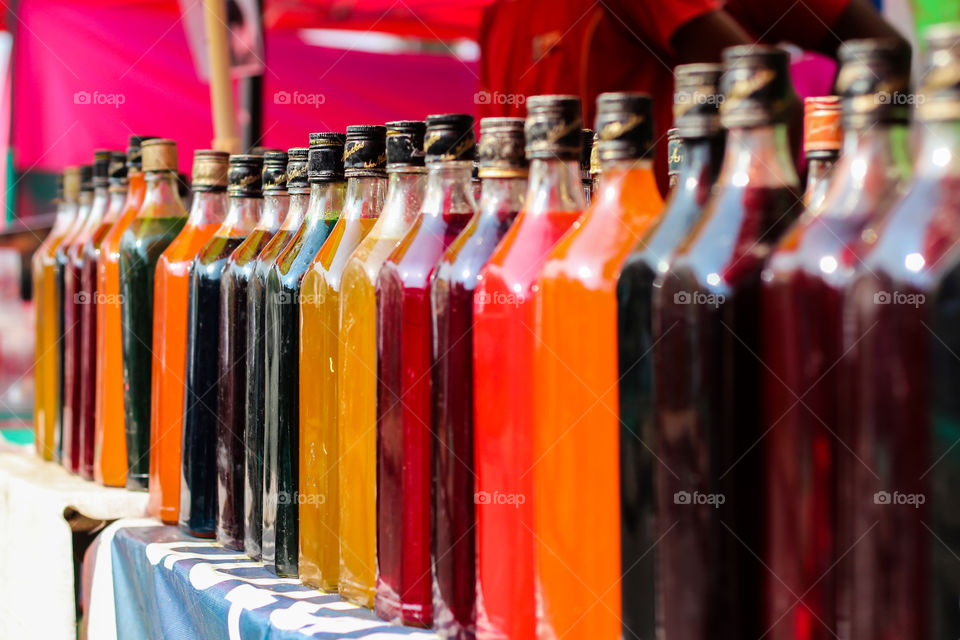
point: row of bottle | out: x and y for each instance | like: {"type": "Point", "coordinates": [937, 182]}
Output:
{"type": "Point", "coordinates": [715, 415]}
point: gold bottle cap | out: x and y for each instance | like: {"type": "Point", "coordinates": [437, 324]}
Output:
{"type": "Point", "coordinates": [159, 154]}
{"type": "Point", "coordinates": [209, 170]}
{"type": "Point", "coordinates": [71, 184]}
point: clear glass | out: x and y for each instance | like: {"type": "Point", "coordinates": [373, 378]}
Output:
{"type": "Point", "coordinates": [819, 170]}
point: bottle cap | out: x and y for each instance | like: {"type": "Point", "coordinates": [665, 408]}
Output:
{"type": "Point", "coordinates": [326, 157]}
{"type": "Point", "coordinates": [71, 184]}
{"type": "Point", "coordinates": [449, 138]}
{"type": "Point", "coordinates": [940, 86]}
{"type": "Point", "coordinates": [117, 171]}
{"type": "Point", "coordinates": [501, 153]}
{"type": "Point", "coordinates": [696, 99]}
{"type": "Point", "coordinates": [297, 160]}
{"type": "Point", "coordinates": [594, 157]}
{"type": "Point", "coordinates": [586, 150]}
{"type": "Point", "coordinates": [365, 153]}
{"type": "Point", "coordinates": [101, 167]}
{"type": "Point", "coordinates": [874, 82]}
{"type": "Point", "coordinates": [755, 86]}
{"type": "Point", "coordinates": [245, 175]}
{"type": "Point", "coordinates": [822, 131]}
{"type": "Point", "coordinates": [135, 153]}
{"type": "Point", "coordinates": [624, 126]}
{"type": "Point", "coordinates": [210, 170]}
{"type": "Point", "coordinates": [674, 154]}
{"type": "Point", "coordinates": [552, 129]}
{"type": "Point", "coordinates": [274, 171]}
{"type": "Point", "coordinates": [159, 154]}
{"type": "Point", "coordinates": [86, 177]}
{"type": "Point", "coordinates": [405, 144]}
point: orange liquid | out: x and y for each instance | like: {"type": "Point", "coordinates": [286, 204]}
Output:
{"type": "Point", "coordinates": [319, 368]}
{"type": "Point", "coordinates": [170, 291]}
{"type": "Point", "coordinates": [576, 423]}
{"type": "Point", "coordinates": [110, 446]}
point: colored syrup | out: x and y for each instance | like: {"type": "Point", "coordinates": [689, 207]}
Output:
{"type": "Point", "coordinates": [315, 373]}
{"type": "Point", "coordinates": [404, 418]}
{"type": "Point", "coordinates": [707, 326]}
{"type": "Point", "coordinates": [576, 412]}
{"type": "Point", "coordinates": [140, 248]}
{"type": "Point", "coordinates": [74, 301]}
{"type": "Point", "coordinates": [171, 291]}
{"type": "Point", "coordinates": [201, 414]}
{"type": "Point", "coordinates": [234, 442]}
{"type": "Point", "coordinates": [454, 522]}
{"type": "Point", "coordinates": [110, 449]}
{"type": "Point", "coordinates": [504, 319]}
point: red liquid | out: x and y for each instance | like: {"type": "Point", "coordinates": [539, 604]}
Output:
{"type": "Point", "coordinates": [454, 519]}
{"type": "Point", "coordinates": [503, 346]}
{"type": "Point", "coordinates": [708, 377]}
{"type": "Point", "coordinates": [72, 360]}
{"type": "Point", "coordinates": [403, 418]}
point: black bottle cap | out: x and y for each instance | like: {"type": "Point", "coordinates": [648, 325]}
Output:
{"type": "Point", "coordinates": [501, 153]}
{"type": "Point", "coordinates": [101, 167]}
{"type": "Point", "coordinates": [674, 154]}
{"type": "Point", "coordinates": [874, 82]}
{"type": "Point", "coordinates": [405, 144]}
{"type": "Point", "coordinates": [297, 162]}
{"type": "Point", "coordinates": [586, 150]}
{"type": "Point", "coordinates": [365, 153]}
{"type": "Point", "coordinates": [755, 85]}
{"type": "Point", "coordinates": [245, 176]}
{"type": "Point", "coordinates": [326, 157]}
{"type": "Point", "coordinates": [134, 153]}
{"type": "Point", "coordinates": [624, 126]}
{"type": "Point", "coordinates": [553, 127]}
{"type": "Point", "coordinates": [210, 170]}
{"type": "Point", "coordinates": [274, 171]}
{"type": "Point", "coordinates": [86, 177]}
{"type": "Point", "coordinates": [117, 171]}
{"type": "Point", "coordinates": [940, 85]}
{"type": "Point", "coordinates": [696, 99]}
{"type": "Point", "coordinates": [450, 138]}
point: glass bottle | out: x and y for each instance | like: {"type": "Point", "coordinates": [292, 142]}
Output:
{"type": "Point", "coordinates": [503, 348]}
{"type": "Point", "coordinates": [77, 300]}
{"type": "Point", "coordinates": [43, 267]}
{"type": "Point", "coordinates": [321, 191]}
{"type": "Point", "coordinates": [318, 326]}
{"type": "Point", "coordinates": [503, 170]}
{"type": "Point", "coordinates": [901, 340]}
{"type": "Point", "coordinates": [575, 396]}
{"type": "Point", "coordinates": [89, 253]}
{"type": "Point", "coordinates": [822, 139]}
{"type": "Point", "coordinates": [707, 334]}
{"type": "Point", "coordinates": [404, 439]}
{"type": "Point", "coordinates": [803, 290]}
{"type": "Point", "coordinates": [110, 449]}
{"type": "Point", "coordinates": [276, 206]}
{"type": "Point", "coordinates": [586, 153]}
{"type": "Point", "coordinates": [357, 379]}
{"type": "Point", "coordinates": [674, 150]}
{"type": "Point", "coordinates": [205, 404]}
{"type": "Point", "coordinates": [158, 222]}
{"type": "Point", "coordinates": [697, 151]}
{"type": "Point", "coordinates": [170, 309]}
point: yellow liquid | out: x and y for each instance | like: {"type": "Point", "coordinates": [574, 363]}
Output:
{"type": "Point", "coordinates": [46, 365]}
{"type": "Point", "coordinates": [357, 444]}
{"type": "Point", "coordinates": [319, 359]}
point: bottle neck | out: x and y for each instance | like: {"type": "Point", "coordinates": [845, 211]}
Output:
{"type": "Point", "coordinates": [162, 188]}
{"type": "Point", "coordinates": [208, 208]}
{"type": "Point", "coordinates": [449, 188]}
{"type": "Point", "coordinates": [115, 205]}
{"type": "Point", "coordinates": [405, 191]}
{"type": "Point", "coordinates": [275, 207]}
{"type": "Point", "coordinates": [66, 213]}
{"type": "Point", "coordinates": [364, 197]}
{"type": "Point", "coordinates": [939, 149]}
{"type": "Point", "coordinates": [500, 196]}
{"type": "Point", "coordinates": [297, 209]}
{"type": "Point", "coordinates": [326, 200]}
{"type": "Point", "coordinates": [819, 170]}
{"type": "Point", "coordinates": [701, 160]}
{"type": "Point", "coordinates": [136, 189]}
{"type": "Point", "coordinates": [243, 213]}
{"type": "Point", "coordinates": [759, 157]}
{"type": "Point", "coordinates": [555, 185]}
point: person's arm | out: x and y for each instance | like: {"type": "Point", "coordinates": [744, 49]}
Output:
{"type": "Point", "coordinates": [704, 38]}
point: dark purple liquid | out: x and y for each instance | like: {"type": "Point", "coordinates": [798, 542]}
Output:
{"type": "Point", "coordinates": [709, 480]}
{"type": "Point", "coordinates": [403, 419]}
{"type": "Point", "coordinates": [74, 302]}
{"type": "Point", "coordinates": [88, 360]}
{"type": "Point", "coordinates": [454, 520]}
